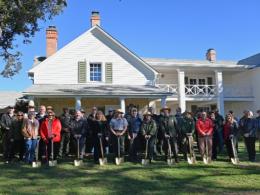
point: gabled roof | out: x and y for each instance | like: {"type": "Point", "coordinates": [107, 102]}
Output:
{"type": "Point", "coordinates": [179, 63]}
{"type": "Point", "coordinates": [252, 60]}
{"type": "Point", "coordinates": [108, 36]}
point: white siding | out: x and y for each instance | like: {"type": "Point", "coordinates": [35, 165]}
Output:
{"type": "Point", "coordinates": [62, 67]}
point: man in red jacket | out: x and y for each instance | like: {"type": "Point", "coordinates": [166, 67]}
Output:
{"type": "Point", "coordinates": [204, 128]}
{"type": "Point", "coordinates": [50, 129]}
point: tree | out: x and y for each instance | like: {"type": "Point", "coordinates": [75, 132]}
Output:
{"type": "Point", "coordinates": [20, 18]}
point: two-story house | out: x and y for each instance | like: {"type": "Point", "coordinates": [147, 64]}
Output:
{"type": "Point", "coordinates": [95, 69]}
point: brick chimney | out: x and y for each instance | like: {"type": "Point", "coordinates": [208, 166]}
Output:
{"type": "Point", "coordinates": [51, 40]}
{"type": "Point", "coordinates": [95, 19]}
{"type": "Point", "coordinates": [211, 55]}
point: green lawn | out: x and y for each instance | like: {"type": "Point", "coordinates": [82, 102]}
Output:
{"type": "Point", "coordinates": [217, 178]}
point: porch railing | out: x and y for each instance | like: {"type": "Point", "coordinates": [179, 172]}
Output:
{"type": "Point", "coordinates": [200, 90]}
{"type": "Point", "coordinates": [172, 88]}
{"type": "Point", "coordinates": [190, 90]}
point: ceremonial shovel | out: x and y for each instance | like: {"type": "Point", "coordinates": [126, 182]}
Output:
{"type": "Point", "coordinates": [37, 163]}
{"type": "Point", "coordinates": [78, 161]}
{"type": "Point", "coordinates": [102, 160]}
{"type": "Point", "coordinates": [118, 159]}
{"type": "Point", "coordinates": [146, 161]}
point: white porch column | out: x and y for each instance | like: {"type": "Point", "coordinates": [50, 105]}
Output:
{"type": "Point", "coordinates": [220, 92]}
{"type": "Point", "coordinates": [181, 90]}
{"type": "Point", "coordinates": [77, 103]}
{"type": "Point", "coordinates": [122, 103]}
{"type": "Point", "coordinates": [163, 102]}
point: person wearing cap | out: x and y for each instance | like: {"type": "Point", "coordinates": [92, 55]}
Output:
{"type": "Point", "coordinates": [134, 125]}
{"type": "Point", "coordinates": [168, 125]}
{"type": "Point", "coordinates": [65, 119]}
{"type": "Point", "coordinates": [118, 126]}
{"type": "Point", "coordinates": [92, 117]}
{"type": "Point", "coordinates": [249, 133]}
{"type": "Point", "coordinates": [50, 131]}
{"type": "Point", "coordinates": [187, 128]}
{"type": "Point", "coordinates": [204, 127]}
{"type": "Point", "coordinates": [17, 139]}
{"type": "Point", "coordinates": [148, 131]}
{"type": "Point", "coordinates": [79, 128]}
{"type": "Point", "coordinates": [30, 132]}
{"type": "Point", "coordinates": [6, 122]}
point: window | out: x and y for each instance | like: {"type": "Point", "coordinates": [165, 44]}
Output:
{"type": "Point", "coordinates": [95, 72]}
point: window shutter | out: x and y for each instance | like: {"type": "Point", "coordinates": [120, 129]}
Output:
{"type": "Point", "coordinates": [82, 72]}
{"type": "Point", "coordinates": [109, 73]}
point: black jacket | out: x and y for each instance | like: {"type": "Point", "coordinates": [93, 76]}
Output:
{"type": "Point", "coordinates": [79, 127]}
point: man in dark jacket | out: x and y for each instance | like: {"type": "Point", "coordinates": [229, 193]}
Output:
{"type": "Point", "coordinates": [187, 128]}
{"type": "Point", "coordinates": [79, 128]}
{"type": "Point", "coordinates": [168, 125]}
{"type": "Point", "coordinates": [249, 131]}
{"type": "Point", "coordinates": [91, 123]}
{"type": "Point", "coordinates": [65, 119]}
{"type": "Point", "coordinates": [6, 122]}
{"type": "Point", "coordinates": [17, 139]}
{"type": "Point", "coordinates": [134, 125]}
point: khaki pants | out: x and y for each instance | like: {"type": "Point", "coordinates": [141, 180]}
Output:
{"type": "Point", "coordinates": [202, 145]}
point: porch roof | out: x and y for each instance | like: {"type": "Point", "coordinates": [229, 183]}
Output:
{"type": "Point", "coordinates": [95, 90]}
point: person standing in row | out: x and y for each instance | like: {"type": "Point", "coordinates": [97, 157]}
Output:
{"type": "Point", "coordinates": [92, 117]}
{"type": "Point", "coordinates": [134, 125]}
{"type": "Point", "coordinates": [118, 126]}
{"type": "Point", "coordinates": [100, 132]}
{"type": "Point", "coordinates": [230, 131]}
{"type": "Point", "coordinates": [204, 128]}
{"type": "Point", "coordinates": [187, 128]}
{"type": "Point", "coordinates": [50, 131]}
{"type": "Point", "coordinates": [30, 132]}
{"type": "Point", "coordinates": [79, 128]}
{"type": "Point", "coordinates": [249, 132]}
{"type": "Point", "coordinates": [168, 125]}
{"type": "Point", "coordinates": [6, 123]}
{"type": "Point", "coordinates": [65, 119]}
{"type": "Point", "coordinates": [17, 138]}
{"type": "Point", "coordinates": [148, 131]}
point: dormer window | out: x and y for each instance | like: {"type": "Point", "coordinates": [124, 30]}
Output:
{"type": "Point", "coordinates": [95, 72]}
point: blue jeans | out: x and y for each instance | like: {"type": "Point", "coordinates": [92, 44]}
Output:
{"type": "Point", "coordinates": [30, 145]}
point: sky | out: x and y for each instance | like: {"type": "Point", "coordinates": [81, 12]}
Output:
{"type": "Point", "coordinates": [180, 29]}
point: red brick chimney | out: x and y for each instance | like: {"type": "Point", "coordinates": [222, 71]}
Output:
{"type": "Point", "coordinates": [211, 55]}
{"type": "Point", "coordinates": [51, 40]}
{"type": "Point", "coordinates": [95, 19]}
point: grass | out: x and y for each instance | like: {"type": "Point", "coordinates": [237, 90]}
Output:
{"type": "Point", "coordinates": [220, 177]}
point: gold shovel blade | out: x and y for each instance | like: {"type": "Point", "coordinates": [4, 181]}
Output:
{"type": "Point", "coordinates": [52, 163]}
{"type": "Point", "coordinates": [234, 161]}
{"type": "Point", "coordinates": [36, 164]}
{"type": "Point", "coordinates": [78, 163]}
{"type": "Point", "coordinates": [145, 162]}
{"type": "Point", "coordinates": [119, 161]}
{"type": "Point", "coordinates": [170, 161]}
{"type": "Point", "coordinates": [103, 161]}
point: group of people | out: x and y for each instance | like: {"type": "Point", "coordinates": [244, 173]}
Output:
{"type": "Point", "coordinates": [44, 135]}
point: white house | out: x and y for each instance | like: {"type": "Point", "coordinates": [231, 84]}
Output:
{"type": "Point", "coordinates": [96, 69]}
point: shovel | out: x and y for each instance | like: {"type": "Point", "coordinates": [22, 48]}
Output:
{"type": "Point", "coordinates": [78, 161]}
{"type": "Point", "coordinates": [169, 157]}
{"type": "Point", "coordinates": [102, 160]}
{"type": "Point", "coordinates": [235, 159]}
{"type": "Point", "coordinates": [206, 158]}
{"type": "Point", "coordinates": [52, 162]}
{"type": "Point", "coordinates": [37, 163]}
{"type": "Point", "coordinates": [119, 160]}
{"type": "Point", "coordinates": [146, 161]}
{"type": "Point", "coordinates": [191, 158]}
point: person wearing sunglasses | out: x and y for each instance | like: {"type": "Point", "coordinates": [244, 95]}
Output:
{"type": "Point", "coordinates": [50, 130]}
